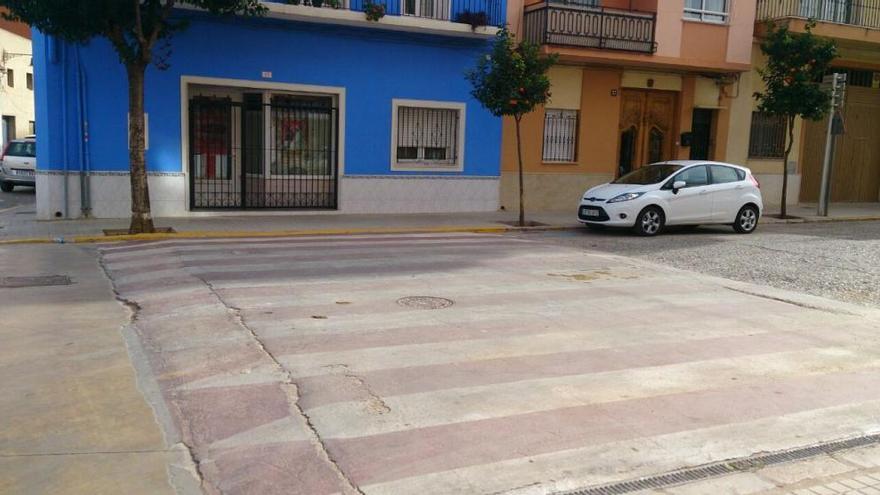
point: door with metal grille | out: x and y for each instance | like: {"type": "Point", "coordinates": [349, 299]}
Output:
{"type": "Point", "coordinates": [265, 151]}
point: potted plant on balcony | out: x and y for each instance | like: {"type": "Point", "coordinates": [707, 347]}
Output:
{"type": "Point", "coordinates": [374, 11]}
{"type": "Point", "coordinates": [475, 19]}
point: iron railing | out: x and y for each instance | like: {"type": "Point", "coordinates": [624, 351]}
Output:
{"type": "Point", "coordinates": [862, 13]}
{"type": "Point", "coordinates": [560, 135]}
{"type": "Point", "coordinates": [474, 12]}
{"type": "Point", "coordinates": [767, 136]}
{"type": "Point", "coordinates": [590, 27]}
{"type": "Point", "coordinates": [252, 154]}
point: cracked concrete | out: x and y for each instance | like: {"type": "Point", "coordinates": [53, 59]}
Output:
{"type": "Point", "coordinates": [292, 391]}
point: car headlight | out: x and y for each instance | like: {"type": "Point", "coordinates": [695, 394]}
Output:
{"type": "Point", "coordinates": [625, 197]}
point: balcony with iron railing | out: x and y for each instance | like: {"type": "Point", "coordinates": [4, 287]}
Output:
{"type": "Point", "coordinates": [476, 13]}
{"type": "Point", "coordinates": [860, 13]}
{"type": "Point", "coordinates": [584, 24]}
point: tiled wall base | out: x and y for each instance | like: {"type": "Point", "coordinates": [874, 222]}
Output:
{"type": "Point", "coordinates": [548, 192]}
{"type": "Point", "coordinates": [771, 188]}
{"type": "Point", "coordinates": [110, 195]}
{"type": "Point", "coordinates": [418, 194]}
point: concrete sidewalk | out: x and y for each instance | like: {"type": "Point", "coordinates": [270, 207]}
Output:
{"type": "Point", "coordinates": [19, 226]}
{"type": "Point", "coordinates": [19, 223]}
{"type": "Point", "coordinates": [73, 418]}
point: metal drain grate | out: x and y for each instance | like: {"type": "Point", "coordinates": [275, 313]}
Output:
{"type": "Point", "coordinates": [725, 467]}
{"type": "Point", "coordinates": [34, 281]}
{"type": "Point", "coordinates": [425, 302]}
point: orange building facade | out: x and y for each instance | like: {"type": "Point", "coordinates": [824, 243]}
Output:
{"type": "Point", "coordinates": [637, 81]}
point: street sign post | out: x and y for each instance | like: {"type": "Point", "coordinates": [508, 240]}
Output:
{"type": "Point", "coordinates": [837, 84]}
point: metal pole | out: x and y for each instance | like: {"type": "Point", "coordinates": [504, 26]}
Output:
{"type": "Point", "coordinates": [826, 168]}
{"type": "Point", "coordinates": [825, 186]}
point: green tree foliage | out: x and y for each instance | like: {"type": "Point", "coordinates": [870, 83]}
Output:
{"type": "Point", "coordinates": [512, 81]}
{"type": "Point", "coordinates": [796, 63]}
{"type": "Point", "coordinates": [135, 28]}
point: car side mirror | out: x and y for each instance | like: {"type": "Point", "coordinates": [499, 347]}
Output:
{"type": "Point", "coordinates": [679, 184]}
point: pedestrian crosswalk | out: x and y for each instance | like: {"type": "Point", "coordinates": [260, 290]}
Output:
{"type": "Point", "coordinates": [290, 367]}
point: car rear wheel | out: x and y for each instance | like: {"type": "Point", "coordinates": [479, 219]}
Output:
{"type": "Point", "coordinates": [650, 221]}
{"type": "Point", "coordinates": [6, 186]}
{"type": "Point", "coordinates": [746, 220]}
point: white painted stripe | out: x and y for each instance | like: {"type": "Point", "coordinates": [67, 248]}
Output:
{"type": "Point", "coordinates": [120, 251]}
{"type": "Point", "coordinates": [568, 470]}
{"type": "Point", "coordinates": [572, 339]}
{"type": "Point", "coordinates": [422, 410]}
{"type": "Point", "coordinates": [201, 252]}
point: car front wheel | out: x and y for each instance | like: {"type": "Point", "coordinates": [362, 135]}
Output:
{"type": "Point", "coordinates": [650, 221]}
{"type": "Point", "coordinates": [6, 186]}
{"type": "Point", "coordinates": [746, 220]}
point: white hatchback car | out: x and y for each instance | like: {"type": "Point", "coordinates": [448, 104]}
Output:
{"type": "Point", "coordinates": [682, 192]}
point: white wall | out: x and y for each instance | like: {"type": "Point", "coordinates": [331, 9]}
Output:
{"type": "Point", "coordinates": [17, 101]}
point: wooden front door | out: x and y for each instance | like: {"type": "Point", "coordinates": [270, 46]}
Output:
{"type": "Point", "coordinates": [647, 123]}
{"type": "Point", "coordinates": [855, 174]}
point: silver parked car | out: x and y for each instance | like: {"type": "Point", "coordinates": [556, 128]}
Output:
{"type": "Point", "coordinates": [18, 164]}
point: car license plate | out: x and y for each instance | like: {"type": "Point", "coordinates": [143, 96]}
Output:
{"type": "Point", "coordinates": [27, 173]}
{"type": "Point", "coordinates": [591, 213]}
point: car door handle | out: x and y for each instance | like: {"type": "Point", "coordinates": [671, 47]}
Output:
{"type": "Point", "coordinates": [704, 192]}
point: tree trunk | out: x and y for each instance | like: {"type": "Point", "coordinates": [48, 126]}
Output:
{"type": "Point", "coordinates": [141, 219]}
{"type": "Point", "coordinates": [783, 209]}
{"type": "Point", "coordinates": [522, 206]}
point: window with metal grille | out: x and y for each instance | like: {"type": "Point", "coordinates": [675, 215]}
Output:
{"type": "Point", "coordinates": [560, 135]}
{"type": "Point", "coordinates": [427, 136]}
{"type": "Point", "coordinates": [706, 10]}
{"type": "Point", "coordinates": [767, 136]}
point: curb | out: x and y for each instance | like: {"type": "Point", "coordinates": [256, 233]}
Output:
{"type": "Point", "coordinates": [233, 234]}
{"type": "Point", "coordinates": [764, 219]}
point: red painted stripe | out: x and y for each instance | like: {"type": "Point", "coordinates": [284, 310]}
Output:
{"type": "Point", "coordinates": [387, 457]}
{"type": "Point", "coordinates": [326, 389]}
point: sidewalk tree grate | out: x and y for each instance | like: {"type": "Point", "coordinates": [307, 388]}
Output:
{"type": "Point", "coordinates": [34, 281]}
{"type": "Point", "coordinates": [425, 302]}
{"type": "Point", "coordinates": [732, 466]}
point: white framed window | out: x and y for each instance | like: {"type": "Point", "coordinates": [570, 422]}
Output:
{"type": "Point", "coordinates": [716, 11]}
{"type": "Point", "coordinates": [560, 135]}
{"type": "Point", "coordinates": [427, 135]}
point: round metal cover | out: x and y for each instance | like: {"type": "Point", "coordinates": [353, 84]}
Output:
{"type": "Point", "coordinates": [425, 302]}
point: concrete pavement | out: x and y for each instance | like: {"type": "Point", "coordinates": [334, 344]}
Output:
{"type": "Point", "coordinates": [72, 419]}
{"type": "Point", "coordinates": [294, 366]}
{"type": "Point", "coordinates": [18, 222]}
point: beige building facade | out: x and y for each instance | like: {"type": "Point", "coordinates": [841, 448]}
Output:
{"type": "Point", "coordinates": [757, 140]}
{"type": "Point", "coordinates": [16, 82]}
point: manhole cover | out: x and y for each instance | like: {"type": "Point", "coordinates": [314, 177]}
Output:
{"type": "Point", "coordinates": [37, 281]}
{"type": "Point", "coordinates": [425, 302]}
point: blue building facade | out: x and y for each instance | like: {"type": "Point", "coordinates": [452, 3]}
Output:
{"type": "Point", "coordinates": [310, 108]}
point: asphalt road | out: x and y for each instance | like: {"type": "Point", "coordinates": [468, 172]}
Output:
{"type": "Point", "coordinates": [19, 198]}
{"type": "Point", "coordinates": [838, 260]}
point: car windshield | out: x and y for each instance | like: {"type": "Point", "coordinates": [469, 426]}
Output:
{"type": "Point", "coordinates": [652, 174]}
{"type": "Point", "coordinates": [21, 148]}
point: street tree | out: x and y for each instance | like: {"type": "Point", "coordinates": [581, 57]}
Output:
{"type": "Point", "coordinates": [796, 63]}
{"type": "Point", "coordinates": [512, 81]}
{"type": "Point", "coordinates": [139, 31]}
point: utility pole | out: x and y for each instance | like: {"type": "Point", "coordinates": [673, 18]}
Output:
{"type": "Point", "coordinates": [837, 81]}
